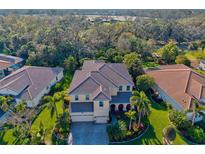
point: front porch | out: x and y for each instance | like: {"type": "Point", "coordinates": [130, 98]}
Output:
{"type": "Point", "coordinates": [121, 102]}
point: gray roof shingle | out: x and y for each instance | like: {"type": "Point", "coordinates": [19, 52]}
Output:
{"type": "Point", "coordinates": [97, 77]}
{"type": "Point", "coordinates": [29, 81]}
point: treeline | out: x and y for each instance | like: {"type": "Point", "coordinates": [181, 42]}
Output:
{"type": "Point", "coordinates": [165, 14]}
{"type": "Point", "coordinates": [61, 40]}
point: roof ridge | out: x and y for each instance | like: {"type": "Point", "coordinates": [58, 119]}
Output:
{"type": "Point", "coordinates": [109, 80]}
{"type": "Point", "coordinates": [101, 91]}
{"type": "Point", "coordinates": [119, 74]}
{"type": "Point", "coordinates": [29, 76]}
{"type": "Point", "coordinates": [14, 73]}
{"type": "Point", "coordinates": [174, 69]}
{"type": "Point", "coordinates": [80, 83]}
{"type": "Point", "coordinates": [11, 81]}
{"type": "Point", "coordinates": [187, 82]}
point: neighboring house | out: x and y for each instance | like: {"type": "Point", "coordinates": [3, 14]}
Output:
{"type": "Point", "coordinates": [9, 64]}
{"type": "Point", "coordinates": [30, 83]}
{"type": "Point", "coordinates": [98, 88]}
{"type": "Point", "coordinates": [202, 65]}
{"type": "Point", "coordinates": [178, 85]}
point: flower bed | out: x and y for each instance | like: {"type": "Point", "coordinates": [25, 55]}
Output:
{"type": "Point", "coordinates": [132, 138]}
{"type": "Point", "coordinates": [119, 132]}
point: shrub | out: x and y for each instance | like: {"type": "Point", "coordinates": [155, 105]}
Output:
{"type": "Point", "coordinates": [196, 134]}
{"type": "Point", "coordinates": [169, 134]}
{"type": "Point", "coordinates": [179, 119]}
{"type": "Point", "coordinates": [169, 106]}
{"type": "Point", "coordinates": [182, 59]}
{"type": "Point", "coordinates": [144, 82]}
{"type": "Point", "coordinates": [117, 131]}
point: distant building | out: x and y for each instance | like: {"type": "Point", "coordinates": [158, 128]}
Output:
{"type": "Point", "coordinates": [30, 83]}
{"type": "Point", "coordinates": [9, 64]}
{"type": "Point", "coordinates": [98, 89]}
{"type": "Point", "coordinates": [202, 65]}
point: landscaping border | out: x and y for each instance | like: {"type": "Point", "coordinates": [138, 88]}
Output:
{"type": "Point", "coordinates": [136, 138]}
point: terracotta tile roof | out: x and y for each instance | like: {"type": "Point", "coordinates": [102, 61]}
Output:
{"type": "Point", "coordinates": [179, 82]}
{"type": "Point", "coordinates": [97, 77]}
{"type": "Point", "coordinates": [29, 81]}
{"type": "Point", "coordinates": [7, 60]}
{"type": "Point", "coordinates": [11, 59]}
{"type": "Point", "coordinates": [4, 65]}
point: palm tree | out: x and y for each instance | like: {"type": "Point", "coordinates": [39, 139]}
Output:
{"type": "Point", "coordinates": [21, 107]}
{"type": "Point", "coordinates": [38, 137]}
{"type": "Point", "coordinates": [131, 115]}
{"type": "Point", "coordinates": [196, 109]}
{"type": "Point", "coordinates": [21, 132]}
{"type": "Point", "coordinates": [4, 103]}
{"type": "Point", "coordinates": [141, 102]}
{"type": "Point", "coordinates": [169, 135]}
{"type": "Point", "coordinates": [52, 101]}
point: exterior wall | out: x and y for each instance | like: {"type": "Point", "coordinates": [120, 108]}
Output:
{"type": "Point", "coordinates": [81, 98]}
{"type": "Point", "coordinates": [6, 91]}
{"type": "Point", "coordinates": [202, 66]}
{"type": "Point", "coordinates": [101, 114]}
{"type": "Point", "coordinates": [81, 116]}
{"type": "Point", "coordinates": [167, 98]}
{"type": "Point", "coordinates": [124, 88]}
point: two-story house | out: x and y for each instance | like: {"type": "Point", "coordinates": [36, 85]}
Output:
{"type": "Point", "coordinates": [99, 88]}
{"type": "Point", "coordinates": [9, 64]}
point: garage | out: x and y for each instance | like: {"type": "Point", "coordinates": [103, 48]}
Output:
{"type": "Point", "coordinates": [82, 111]}
{"type": "Point", "coordinates": [82, 117]}
{"type": "Point", "coordinates": [101, 119]}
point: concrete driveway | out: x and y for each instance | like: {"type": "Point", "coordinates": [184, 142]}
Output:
{"type": "Point", "coordinates": [87, 133]}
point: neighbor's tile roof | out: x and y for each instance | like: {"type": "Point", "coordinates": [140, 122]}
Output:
{"type": "Point", "coordinates": [7, 60]}
{"type": "Point", "coordinates": [11, 59]}
{"type": "Point", "coordinates": [180, 83]}
{"type": "Point", "coordinates": [29, 81]}
{"type": "Point", "coordinates": [4, 64]}
{"type": "Point", "coordinates": [97, 77]}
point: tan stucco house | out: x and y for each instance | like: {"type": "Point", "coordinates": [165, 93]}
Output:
{"type": "Point", "coordinates": [30, 83]}
{"type": "Point", "coordinates": [97, 89]}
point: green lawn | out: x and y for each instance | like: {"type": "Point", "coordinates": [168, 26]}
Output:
{"type": "Point", "coordinates": [47, 120]}
{"type": "Point", "coordinates": [158, 120]}
{"type": "Point", "coordinates": [6, 137]}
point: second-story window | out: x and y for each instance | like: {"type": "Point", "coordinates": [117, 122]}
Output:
{"type": "Point", "coordinates": [128, 88]}
{"type": "Point", "coordinates": [101, 104]}
{"type": "Point", "coordinates": [87, 97]}
{"type": "Point", "coordinates": [76, 97]}
{"type": "Point", "coordinates": [120, 88]}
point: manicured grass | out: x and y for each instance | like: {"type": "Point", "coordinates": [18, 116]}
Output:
{"type": "Point", "coordinates": [47, 120]}
{"type": "Point", "coordinates": [158, 120]}
{"type": "Point", "coordinates": [6, 136]}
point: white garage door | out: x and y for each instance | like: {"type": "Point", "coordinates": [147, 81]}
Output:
{"type": "Point", "coordinates": [81, 118]}
{"type": "Point", "coordinates": [101, 119]}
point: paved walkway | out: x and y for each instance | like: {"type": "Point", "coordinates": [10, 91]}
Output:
{"type": "Point", "coordinates": [87, 133]}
